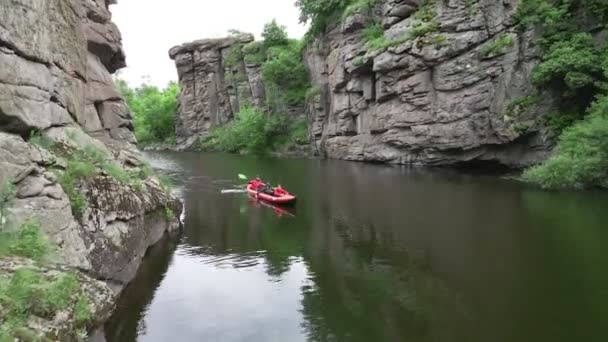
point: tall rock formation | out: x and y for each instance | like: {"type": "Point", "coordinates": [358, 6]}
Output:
{"type": "Point", "coordinates": [56, 99]}
{"type": "Point", "coordinates": [441, 98]}
{"type": "Point", "coordinates": [217, 78]}
{"type": "Point", "coordinates": [215, 82]}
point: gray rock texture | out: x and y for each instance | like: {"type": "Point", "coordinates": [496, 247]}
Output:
{"type": "Point", "coordinates": [436, 99]}
{"type": "Point", "coordinates": [216, 81]}
{"type": "Point", "coordinates": [57, 97]}
{"type": "Point", "coordinates": [61, 325]}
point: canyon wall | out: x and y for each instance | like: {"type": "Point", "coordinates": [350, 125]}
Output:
{"type": "Point", "coordinates": [446, 85]}
{"type": "Point", "coordinates": [441, 98]}
{"type": "Point", "coordinates": [57, 99]}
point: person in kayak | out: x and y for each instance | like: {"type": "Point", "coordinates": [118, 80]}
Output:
{"type": "Point", "coordinates": [263, 187]}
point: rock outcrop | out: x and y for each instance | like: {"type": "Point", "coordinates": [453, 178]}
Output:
{"type": "Point", "coordinates": [438, 98]}
{"type": "Point", "coordinates": [217, 79]}
{"type": "Point", "coordinates": [57, 98]}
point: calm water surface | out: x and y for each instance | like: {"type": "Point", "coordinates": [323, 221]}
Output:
{"type": "Point", "coordinates": [370, 253]}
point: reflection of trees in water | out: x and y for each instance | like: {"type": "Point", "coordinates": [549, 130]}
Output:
{"type": "Point", "coordinates": [127, 322]}
{"type": "Point", "coordinates": [363, 290]}
{"type": "Point", "coordinates": [572, 228]}
{"type": "Point", "coordinates": [248, 231]}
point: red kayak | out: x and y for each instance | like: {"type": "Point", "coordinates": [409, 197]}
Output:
{"type": "Point", "coordinates": [261, 191]}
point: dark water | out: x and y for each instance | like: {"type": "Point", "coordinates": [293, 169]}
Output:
{"type": "Point", "coordinates": [370, 253]}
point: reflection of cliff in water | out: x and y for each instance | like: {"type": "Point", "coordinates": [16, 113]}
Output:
{"type": "Point", "coordinates": [362, 289]}
{"type": "Point", "coordinates": [127, 321]}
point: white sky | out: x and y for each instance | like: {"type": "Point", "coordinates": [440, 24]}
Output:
{"type": "Point", "coordinates": [151, 27]}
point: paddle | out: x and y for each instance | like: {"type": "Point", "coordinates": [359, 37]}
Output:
{"type": "Point", "coordinates": [243, 177]}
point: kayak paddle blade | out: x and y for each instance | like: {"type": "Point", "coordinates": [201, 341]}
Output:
{"type": "Point", "coordinates": [242, 176]}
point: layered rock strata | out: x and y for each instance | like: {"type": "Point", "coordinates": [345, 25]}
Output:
{"type": "Point", "coordinates": [439, 98]}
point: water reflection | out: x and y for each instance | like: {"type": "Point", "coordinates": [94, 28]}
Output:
{"type": "Point", "coordinates": [373, 253]}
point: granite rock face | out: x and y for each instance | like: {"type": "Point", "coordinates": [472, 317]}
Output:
{"type": "Point", "coordinates": [57, 97]}
{"type": "Point", "coordinates": [438, 99]}
{"type": "Point", "coordinates": [216, 81]}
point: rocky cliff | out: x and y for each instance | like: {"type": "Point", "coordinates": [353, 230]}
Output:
{"type": "Point", "coordinates": [445, 83]}
{"type": "Point", "coordinates": [59, 108]}
{"type": "Point", "coordinates": [443, 89]}
{"type": "Point", "coordinates": [217, 77]}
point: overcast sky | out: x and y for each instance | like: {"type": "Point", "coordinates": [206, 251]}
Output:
{"type": "Point", "coordinates": [151, 27]}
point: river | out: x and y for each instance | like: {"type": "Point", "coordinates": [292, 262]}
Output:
{"type": "Point", "coordinates": [369, 253]}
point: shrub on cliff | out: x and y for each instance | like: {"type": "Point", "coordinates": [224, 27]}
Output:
{"type": "Point", "coordinates": [153, 110]}
{"type": "Point", "coordinates": [574, 67]}
{"type": "Point", "coordinates": [581, 160]}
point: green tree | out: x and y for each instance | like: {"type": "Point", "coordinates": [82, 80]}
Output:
{"type": "Point", "coordinates": [154, 111]}
{"type": "Point", "coordinates": [285, 75]}
{"type": "Point", "coordinates": [274, 34]}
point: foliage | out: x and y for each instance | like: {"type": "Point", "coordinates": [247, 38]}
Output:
{"type": "Point", "coordinates": [154, 111]}
{"type": "Point", "coordinates": [521, 105]}
{"type": "Point", "coordinates": [28, 241]}
{"type": "Point", "coordinates": [253, 131]}
{"type": "Point", "coordinates": [424, 24]}
{"type": "Point", "coordinates": [313, 92]}
{"type": "Point", "coordinates": [560, 121]}
{"type": "Point", "coordinates": [40, 140]}
{"type": "Point", "coordinates": [29, 292]}
{"type": "Point", "coordinates": [233, 56]}
{"type": "Point", "coordinates": [571, 66]}
{"type": "Point", "coordinates": [169, 214]}
{"type": "Point", "coordinates": [254, 53]}
{"type": "Point", "coordinates": [298, 134]}
{"type": "Point", "coordinates": [582, 156]}
{"type": "Point", "coordinates": [359, 61]}
{"type": "Point", "coordinates": [574, 69]}
{"type": "Point", "coordinates": [320, 13]}
{"type": "Point", "coordinates": [247, 132]}
{"type": "Point", "coordinates": [76, 171]}
{"type": "Point", "coordinates": [85, 164]}
{"type": "Point", "coordinates": [284, 71]}
{"type": "Point", "coordinates": [274, 34]}
{"type": "Point", "coordinates": [497, 46]}
{"type": "Point", "coordinates": [570, 61]}
{"type": "Point", "coordinates": [358, 6]}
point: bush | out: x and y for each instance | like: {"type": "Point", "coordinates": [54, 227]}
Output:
{"type": "Point", "coordinates": [254, 53]}
{"type": "Point", "coordinates": [29, 292]}
{"type": "Point", "coordinates": [169, 214]}
{"type": "Point", "coordinates": [358, 6]}
{"type": "Point", "coordinates": [154, 111]}
{"type": "Point", "coordinates": [254, 131]}
{"type": "Point", "coordinates": [28, 241]}
{"type": "Point", "coordinates": [582, 155]}
{"type": "Point", "coordinates": [76, 171]}
{"type": "Point", "coordinates": [247, 133]}
{"type": "Point", "coordinates": [497, 46]}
